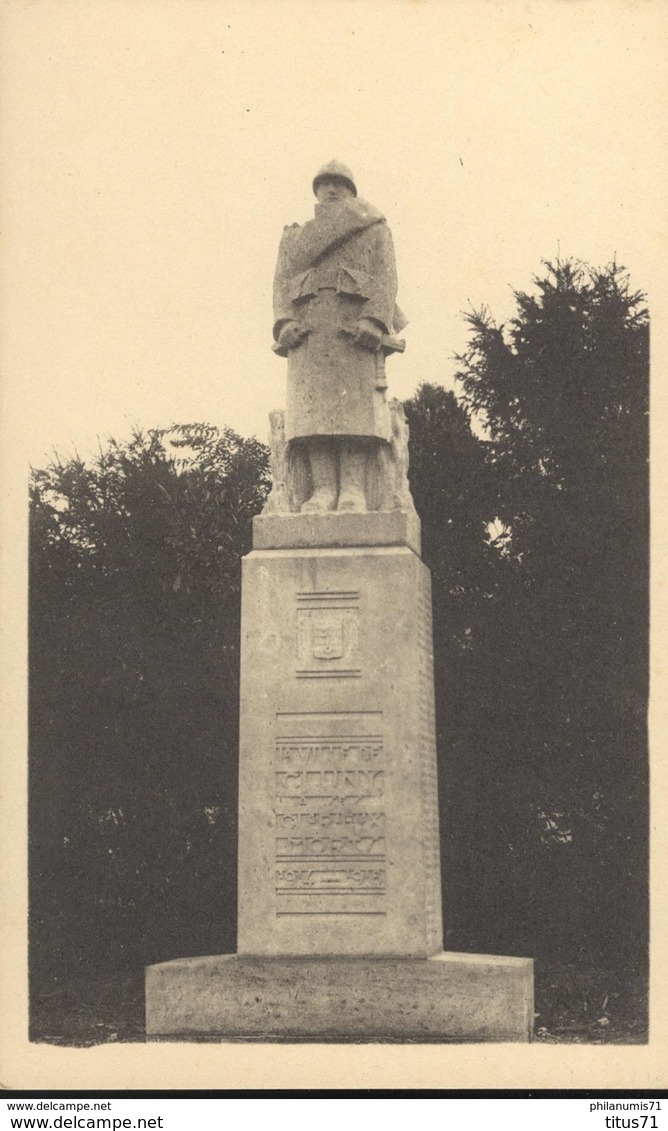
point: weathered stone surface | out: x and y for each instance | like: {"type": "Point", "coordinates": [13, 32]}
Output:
{"type": "Point", "coordinates": [450, 997]}
{"type": "Point", "coordinates": [333, 271]}
{"type": "Point", "coordinates": [335, 319]}
{"type": "Point", "coordinates": [386, 486]}
{"type": "Point", "coordinates": [338, 816]}
{"type": "Point", "coordinates": [302, 531]}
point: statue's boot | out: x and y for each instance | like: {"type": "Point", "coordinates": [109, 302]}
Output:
{"type": "Point", "coordinates": [322, 459]}
{"type": "Point", "coordinates": [321, 501]}
{"type": "Point", "coordinates": [352, 495]}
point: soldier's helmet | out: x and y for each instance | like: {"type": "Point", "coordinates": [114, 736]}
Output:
{"type": "Point", "coordinates": [335, 169]}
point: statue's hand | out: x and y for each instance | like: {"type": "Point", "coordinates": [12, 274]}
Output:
{"type": "Point", "coordinates": [291, 335]}
{"type": "Point", "coordinates": [369, 335]}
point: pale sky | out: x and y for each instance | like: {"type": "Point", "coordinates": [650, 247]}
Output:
{"type": "Point", "coordinates": [154, 151]}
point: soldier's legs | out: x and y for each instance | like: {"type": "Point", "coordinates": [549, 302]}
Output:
{"type": "Point", "coordinates": [322, 455]}
{"type": "Point", "coordinates": [352, 474]}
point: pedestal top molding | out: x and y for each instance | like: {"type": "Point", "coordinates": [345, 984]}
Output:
{"type": "Point", "coordinates": [307, 531]}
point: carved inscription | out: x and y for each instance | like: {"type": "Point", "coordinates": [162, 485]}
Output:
{"type": "Point", "coordinates": [332, 786]}
{"type": "Point", "coordinates": [370, 881]}
{"type": "Point", "coordinates": [332, 819]}
{"type": "Point", "coordinates": [352, 751]}
{"type": "Point", "coordinates": [288, 846]}
{"type": "Point", "coordinates": [330, 822]}
{"type": "Point", "coordinates": [428, 770]}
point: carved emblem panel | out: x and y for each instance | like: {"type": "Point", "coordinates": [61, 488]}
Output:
{"type": "Point", "coordinates": [328, 635]}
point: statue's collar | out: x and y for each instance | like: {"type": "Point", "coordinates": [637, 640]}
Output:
{"type": "Point", "coordinates": [351, 210]}
{"type": "Point", "coordinates": [332, 226]}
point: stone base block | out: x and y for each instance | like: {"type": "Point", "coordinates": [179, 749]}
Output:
{"type": "Point", "coordinates": [303, 531]}
{"type": "Point", "coordinates": [450, 997]}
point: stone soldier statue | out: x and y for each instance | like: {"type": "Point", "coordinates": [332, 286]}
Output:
{"type": "Point", "coordinates": [335, 321]}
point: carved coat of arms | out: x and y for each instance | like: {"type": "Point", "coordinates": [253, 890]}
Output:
{"type": "Point", "coordinates": [327, 637]}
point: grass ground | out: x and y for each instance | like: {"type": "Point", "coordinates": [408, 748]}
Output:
{"type": "Point", "coordinates": [573, 1006]}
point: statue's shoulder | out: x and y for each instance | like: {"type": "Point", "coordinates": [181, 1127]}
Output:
{"type": "Point", "coordinates": [288, 244]}
{"type": "Point", "coordinates": [290, 233]}
{"type": "Point", "coordinates": [365, 212]}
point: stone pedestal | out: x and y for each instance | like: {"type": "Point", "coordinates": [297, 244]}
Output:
{"type": "Point", "coordinates": [338, 818]}
{"type": "Point", "coordinates": [450, 997]}
{"type": "Point", "coordinates": [340, 933]}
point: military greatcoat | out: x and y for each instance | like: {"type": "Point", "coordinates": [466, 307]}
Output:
{"type": "Point", "coordinates": [332, 271]}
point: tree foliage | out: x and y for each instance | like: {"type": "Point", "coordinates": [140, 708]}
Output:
{"type": "Point", "coordinates": [134, 645]}
{"type": "Point", "coordinates": [562, 393]}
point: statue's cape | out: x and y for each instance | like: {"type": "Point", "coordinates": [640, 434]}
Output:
{"type": "Point", "coordinates": [332, 226]}
{"type": "Point", "coordinates": [303, 257]}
